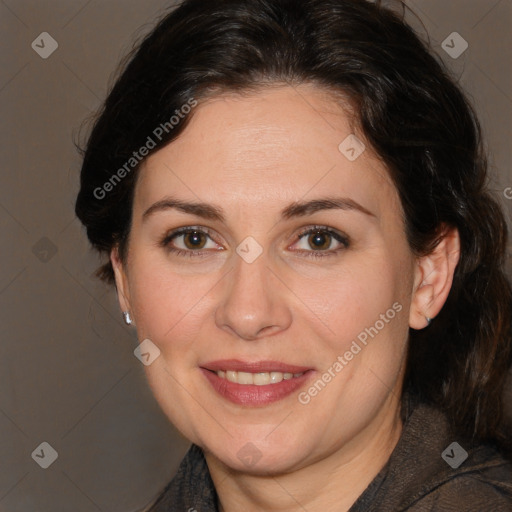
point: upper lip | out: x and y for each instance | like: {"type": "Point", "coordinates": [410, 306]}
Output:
{"type": "Point", "coordinates": [254, 367]}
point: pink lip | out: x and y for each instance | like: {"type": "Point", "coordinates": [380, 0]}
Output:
{"type": "Point", "coordinates": [255, 367]}
{"type": "Point", "coordinates": [250, 394]}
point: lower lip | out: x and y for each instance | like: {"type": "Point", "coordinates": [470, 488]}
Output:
{"type": "Point", "coordinates": [252, 395]}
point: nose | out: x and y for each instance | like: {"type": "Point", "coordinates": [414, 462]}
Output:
{"type": "Point", "coordinates": [253, 303]}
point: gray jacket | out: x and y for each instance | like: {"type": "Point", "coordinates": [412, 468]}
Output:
{"type": "Point", "coordinates": [426, 471]}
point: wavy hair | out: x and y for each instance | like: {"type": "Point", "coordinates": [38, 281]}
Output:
{"type": "Point", "coordinates": [410, 110]}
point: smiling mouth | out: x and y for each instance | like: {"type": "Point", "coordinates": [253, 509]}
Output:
{"type": "Point", "coordinates": [257, 383]}
{"type": "Point", "coordinates": [257, 379]}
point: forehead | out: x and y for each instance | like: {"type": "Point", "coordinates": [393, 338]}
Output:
{"type": "Point", "coordinates": [265, 148]}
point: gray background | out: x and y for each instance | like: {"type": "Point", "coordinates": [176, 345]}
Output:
{"type": "Point", "coordinates": [68, 375]}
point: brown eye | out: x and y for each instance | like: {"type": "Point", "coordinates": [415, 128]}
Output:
{"type": "Point", "coordinates": [194, 240]}
{"type": "Point", "coordinates": [190, 241]}
{"type": "Point", "coordinates": [319, 240]}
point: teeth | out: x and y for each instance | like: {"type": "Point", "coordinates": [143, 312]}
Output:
{"type": "Point", "coordinates": [245, 378]}
{"type": "Point", "coordinates": [259, 379]}
{"type": "Point", "coordinates": [276, 377]}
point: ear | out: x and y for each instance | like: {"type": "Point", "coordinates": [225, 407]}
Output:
{"type": "Point", "coordinates": [123, 291]}
{"type": "Point", "coordinates": [433, 278]}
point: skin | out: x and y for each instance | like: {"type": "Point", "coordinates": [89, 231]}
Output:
{"type": "Point", "coordinates": [252, 155]}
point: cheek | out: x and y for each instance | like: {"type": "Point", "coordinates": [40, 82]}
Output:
{"type": "Point", "coordinates": [354, 297]}
{"type": "Point", "coordinates": [171, 308]}
{"type": "Point", "coordinates": [168, 306]}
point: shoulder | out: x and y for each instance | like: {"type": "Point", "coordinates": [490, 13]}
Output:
{"type": "Point", "coordinates": [432, 470]}
{"type": "Point", "coordinates": [484, 483]}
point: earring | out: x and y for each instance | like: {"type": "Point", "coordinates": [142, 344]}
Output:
{"type": "Point", "coordinates": [127, 318]}
{"type": "Point", "coordinates": [429, 320]}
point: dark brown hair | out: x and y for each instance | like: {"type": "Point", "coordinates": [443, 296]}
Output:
{"type": "Point", "coordinates": [409, 109]}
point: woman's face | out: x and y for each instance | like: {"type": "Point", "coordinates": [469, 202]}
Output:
{"type": "Point", "coordinates": [299, 263]}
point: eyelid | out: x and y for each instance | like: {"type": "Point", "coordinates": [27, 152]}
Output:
{"type": "Point", "coordinates": [338, 236]}
{"type": "Point", "coordinates": [171, 235]}
{"type": "Point", "coordinates": [341, 238]}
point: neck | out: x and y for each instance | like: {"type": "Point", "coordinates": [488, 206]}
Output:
{"type": "Point", "coordinates": [338, 478]}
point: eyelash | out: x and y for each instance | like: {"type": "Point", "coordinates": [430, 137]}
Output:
{"type": "Point", "coordinates": [307, 231]}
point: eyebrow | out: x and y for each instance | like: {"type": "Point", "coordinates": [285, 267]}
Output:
{"type": "Point", "coordinates": [295, 209]}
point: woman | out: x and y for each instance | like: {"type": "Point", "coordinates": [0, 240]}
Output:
{"type": "Point", "coordinates": [292, 195]}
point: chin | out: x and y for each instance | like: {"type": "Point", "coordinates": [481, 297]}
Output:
{"type": "Point", "coordinates": [255, 455]}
